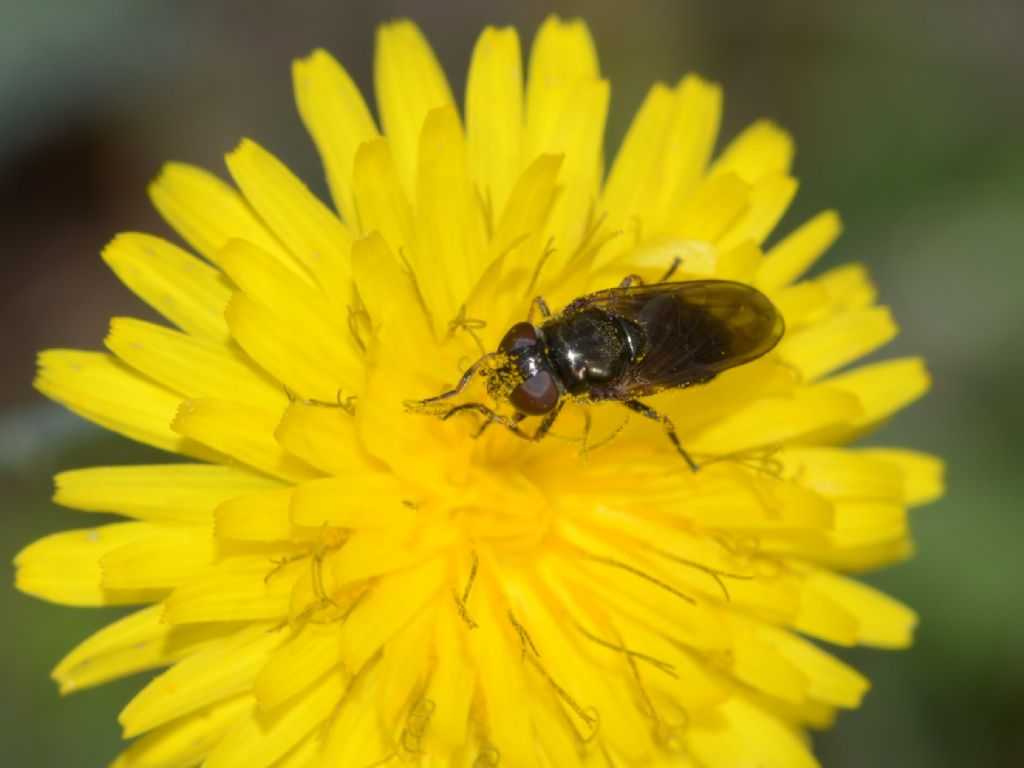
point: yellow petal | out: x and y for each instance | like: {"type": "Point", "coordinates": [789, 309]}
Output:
{"type": "Point", "coordinates": [374, 551]}
{"type": "Point", "coordinates": [380, 199]}
{"type": "Point", "coordinates": [397, 599]}
{"type": "Point", "coordinates": [364, 499]}
{"type": "Point", "coordinates": [865, 523]}
{"type": "Point", "coordinates": [496, 656]}
{"type": "Point", "coordinates": [627, 193]}
{"type": "Point", "coordinates": [562, 54]}
{"type": "Point", "coordinates": [283, 322]}
{"type": "Point", "coordinates": [769, 199]}
{"type": "Point", "coordinates": [450, 227]}
{"type": "Point", "coordinates": [191, 366]}
{"type": "Point", "coordinates": [161, 559]}
{"type": "Point", "coordinates": [578, 135]}
{"type": "Point", "coordinates": [795, 253]}
{"type": "Point", "coordinates": [243, 589]}
{"type": "Point", "coordinates": [137, 642]}
{"type": "Point", "coordinates": [762, 667]}
{"type": "Point", "coordinates": [310, 654]}
{"type": "Point", "coordinates": [848, 286]}
{"type": "Point", "coordinates": [189, 492]}
{"type": "Point", "coordinates": [188, 292]}
{"type": "Point", "coordinates": [872, 555]}
{"type": "Point", "coordinates": [206, 212]}
{"type": "Point", "coordinates": [494, 115]}
{"type": "Point", "coordinates": [843, 338]}
{"type": "Point", "coordinates": [646, 602]}
{"type": "Point", "coordinates": [453, 682]}
{"type": "Point", "coordinates": [922, 473]}
{"type": "Point", "coordinates": [690, 141]}
{"type": "Point", "coordinates": [260, 516]}
{"type": "Point", "coordinates": [567, 659]}
{"type": "Point", "coordinates": [409, 84]}
{"type": "Point", "coordinates": [715, 206]}
{"type": "Point", "coordinates": [299, 361]}
{"type": "Point", "coordinates": [392, 301]}
{"type": "Point", "coordinates": [822, 617]}
{"type": "Point", "coordinates": [242, 432]}
{"type": "Point", "coordinates": [403, 668]}
{"type": "Point", "coordinates": [882, 621]}
{"type": "Point", "coordinates": [324, 437]}
{"type": "Point", "coordinates": [355, 735]}
{"type": "Point", "coordinates": [221, 670]}
{"type": "Point", "coordinates": [762, 149]}
{"type": "Point", "coordinates": [828, 679]}
{"type": "Point", "coordinates": [741, 732]}
{"type": "Point", "coordinates": [103, 390]}
{"type": "Point", "coordinates": [517, 247]}
{"type": "Point", "coordinates": [261, 740]}
{"type": "Point", "coordinates": [663, 155]}
{"type": "Point", "coordinates": [188, 740]}
{"type": "Point", "coordinates": [883, 388]}
{"type": "Point", "coordinates": [337, 118]}
{"type": "Point", "coordinates": [65, 567]}
{"type": "Point", "coordinates": [842, 474]}
{"type": "Point", "coordinates": [770, 421]}
{"type": "Point", "coordinates": [313, 235]}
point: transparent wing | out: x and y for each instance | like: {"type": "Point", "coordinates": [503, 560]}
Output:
{"type": "Point", "coordinates": [693, 330]}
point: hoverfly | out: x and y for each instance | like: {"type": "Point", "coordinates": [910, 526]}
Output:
{"type": "Point", "coordinates": [620, 344]}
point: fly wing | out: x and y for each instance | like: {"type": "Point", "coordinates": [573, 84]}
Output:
{"type": "Point", "coordinates": [693, 330]}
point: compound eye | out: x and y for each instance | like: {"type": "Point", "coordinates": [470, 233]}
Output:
{"type": "Point", "coordinates": [537, 395]}
{"type": "Point", "coordinates": [519, 336]}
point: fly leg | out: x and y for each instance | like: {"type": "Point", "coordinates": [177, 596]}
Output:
{"type": "Point", "coordinates": [539, 305]}
{"type": "Point", "coordinates": [544, 426]}
{"type": "Point", "coordinates": [511, 423]}
{"type": "Point", "coordinates": [676, 263]}
{"type": "Point", "coordinates": [423, 405]}
{"type": "Point", "coordinates": [631, 280]}
{"type": "Point", "coordinates": [670, 429]}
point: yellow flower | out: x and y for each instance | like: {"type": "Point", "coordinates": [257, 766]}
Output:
{"type": "Point", "coordinates": [335, 580]}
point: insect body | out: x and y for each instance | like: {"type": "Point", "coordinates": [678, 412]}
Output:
{"type": "Point", "coordinates": [619, 345]}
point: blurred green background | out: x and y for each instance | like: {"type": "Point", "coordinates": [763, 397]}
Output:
{"type": "Point", "coordinates": [909, 118]}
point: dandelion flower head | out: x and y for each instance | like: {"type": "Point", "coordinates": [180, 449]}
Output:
{"type": "Point", "coordinates": [327, 578]}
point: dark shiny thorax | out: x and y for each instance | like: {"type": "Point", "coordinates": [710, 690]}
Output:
{"type": "Point", "coordinates": [591, 347]}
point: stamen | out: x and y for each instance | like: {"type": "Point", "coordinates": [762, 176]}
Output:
{"type": "Point", "coordinates": [416, 723]}
{"type": "Point", "coordinates": [525, 640]}
{"type": "Point", "coordinates": [383, 761]}
{"type": "Point", "coordinates": [658, 664]}
{"type": "Point", "coordinates": [588, 448]}
{"type": "Point", "coordinates": [648, 707]}
{"type": "Point", "coordinates": [354, 318]}
{"type": "Point", "coordinates": [281, 562]}
{"type": "Point", "coordinates": [549, 251]}
{"type": "Point", "coordinates": [469, 325]}
{"type": "Point", "coordinates": [588, 716]}
{"type": "Point", "coordinates": [487, 206]}
{"type": "Point", "coordinates": [472, 576]}
{"type": "Point", "coordinates": [489, 757]}
{"type": "Point", "coordinates": [460, 602]}
{"type": "Point", "coordinates": [718, 575]}
{"type": "Point", "coordinates": [353, 684]}
{"type": "Point", "coordinates": [345, 406]}
{"type": "Point", "coordinates": [642, 574]}
{"type": "Point", "coordinates": [411, 273]}
{"type": "Point", "coordinates": [759, 459]}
